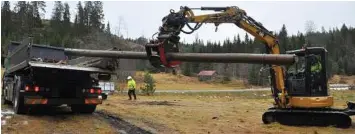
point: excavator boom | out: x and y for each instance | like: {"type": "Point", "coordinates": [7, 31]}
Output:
{"type": "Point", "coordinates": [173, 24]}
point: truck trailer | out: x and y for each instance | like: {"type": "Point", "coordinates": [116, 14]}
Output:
{"type": "Point", "coordinates": [38, 75]}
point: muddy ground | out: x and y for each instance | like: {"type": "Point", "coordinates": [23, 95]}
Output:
{"type": "Point", "coordinates": [166, 113]}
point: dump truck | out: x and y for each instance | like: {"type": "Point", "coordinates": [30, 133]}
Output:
{"type": "Point", "coordinates": [39, 75]}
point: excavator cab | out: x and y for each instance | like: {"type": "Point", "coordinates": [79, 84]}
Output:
{"type": "Point", "coordinates": [307, 77]}
{"type": "Point", "coordinates": [309, 102]}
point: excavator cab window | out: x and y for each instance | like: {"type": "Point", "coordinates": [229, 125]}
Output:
{"type": "Point", "coordinates": [295, 79]}
{"type": "Point", "coordinates": [316, 75]}
{"type": "Point", "coordinates": [307, 77]}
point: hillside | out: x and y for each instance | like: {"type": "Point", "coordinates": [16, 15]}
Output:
{"type": "Point", "coordinates": [165, 81]}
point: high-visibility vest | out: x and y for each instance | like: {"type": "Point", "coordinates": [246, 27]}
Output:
{"type": "Point", "coordinates": [131, 84]}
{"type": "Point", "coordinates": [316, 68]}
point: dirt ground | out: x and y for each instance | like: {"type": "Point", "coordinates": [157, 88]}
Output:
{"type": "Point", "coordinates": [238, 112]}
{"type": "Point", "coordinates": [167, 113]}
{"type": "Point", "coordinates": [209, 113]}
{"type": "Point", "coordinates": [54, 120]}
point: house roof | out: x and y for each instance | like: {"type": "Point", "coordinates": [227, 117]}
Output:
{"type": "Point", "coordinates": [206, 73]}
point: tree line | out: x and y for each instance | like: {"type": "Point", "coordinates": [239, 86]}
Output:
{"type": "Point", "coordinates": [26, 19]}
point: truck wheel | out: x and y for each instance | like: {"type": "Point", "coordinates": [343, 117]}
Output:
{"type": "Point", "coordinates": [4, 101]}
{"type": "Point", "coordinates": [104, 96]}
{"type": "Point", "coordinates": [87, 109]}
{"type": "Point", "coordinates": [18, 102]}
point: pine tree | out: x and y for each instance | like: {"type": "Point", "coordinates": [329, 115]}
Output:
{"type": "Point", "coordinates": [108, 29]}
{"type": "Point", "coordinates": [21, 16]}
{"type": "Point", "coordinates": [283, 39]}
{"type": "Point", "coordinates": [56, 24]}
{"type": "Point", "coordinates": [81, 19]}
{"type": "Point", "coordinates": [7, 28]}
{"type": "Point", "coordinates": [57, 15]}
{"type": "Point", "coordinates": [195, 48]}
{"type": "Point", "coordinates": [247, 46]}
{"type": "Point", "coordinates": [252, 75]}
{"type": "Point", "coordinates": [293, 42]}
{"type": "Point", "coordinates": [38, 9]}
{"type": "Point", "coordinates": [301, 41]}
{"type": "Point", "coordinates": [187, 69]}
{"type": "Point", "coordinates": [66, 18]}
{"type": "Point", "coordinates": [87, 15]}
{"type": "Point", "coordinates": [6, 20]}
{"type": "Point", "coordinates": [344, 31]}
{"type": "Point", "coordinates": [96, 15]}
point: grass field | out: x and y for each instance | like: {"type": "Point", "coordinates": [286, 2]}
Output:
{"type": "Point", "coordinates": [58, 120]}
{"type": "Point", "coordinates": [185, 113]}
{"type": "Point", "coordinates": [210, 113]}
{"type": "Point", "coordinates": [165, 81]}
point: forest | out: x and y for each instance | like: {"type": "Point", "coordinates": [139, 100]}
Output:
{"type": "Point", "coordinates": [25, 19]}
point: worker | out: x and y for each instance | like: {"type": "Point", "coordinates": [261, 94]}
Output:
{"type": "Point", "coordinates": [316, 67]}
{"type": "Point", "coordinates": [131, 87]}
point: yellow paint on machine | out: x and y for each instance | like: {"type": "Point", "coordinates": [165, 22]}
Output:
{"type": "Point", "coordinates": [311, 102]}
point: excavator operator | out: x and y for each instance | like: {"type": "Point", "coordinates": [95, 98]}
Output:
{"type": "Point", "coordinates": [316, 65]}
{"type": "Point", "coordinates": [316, 68]}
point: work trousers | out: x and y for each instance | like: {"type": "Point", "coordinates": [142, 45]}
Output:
{"type": "Point", "coordinates": [130, 92]}
{"type": "Point", "coordinates": [316, 84]}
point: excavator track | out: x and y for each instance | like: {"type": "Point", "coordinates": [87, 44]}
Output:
{"type": "Point", "coordinates": [310, 117]}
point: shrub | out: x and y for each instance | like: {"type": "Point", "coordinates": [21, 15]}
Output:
{"type": "Point", "coordinates": [118, 88]}
{"type": "Point", "coordinates": [149, 84]}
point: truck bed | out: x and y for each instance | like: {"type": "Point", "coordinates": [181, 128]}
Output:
{"type": "Point", "coordinates": [24, 55]}
{"type": "Point", "coordinates": [24, 65]}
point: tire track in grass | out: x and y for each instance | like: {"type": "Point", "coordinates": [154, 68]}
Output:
{"type": "Point", "coordinates": [121, 125]}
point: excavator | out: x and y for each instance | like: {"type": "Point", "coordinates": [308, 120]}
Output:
{"type": "Point", "coordinates": [301, 95]}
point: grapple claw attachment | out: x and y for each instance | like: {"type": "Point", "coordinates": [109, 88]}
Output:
{"type": "Point", "coordinates": [156, 53]}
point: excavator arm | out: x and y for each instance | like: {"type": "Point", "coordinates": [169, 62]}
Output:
{"type": "Point", "coordinates": [173, 24]}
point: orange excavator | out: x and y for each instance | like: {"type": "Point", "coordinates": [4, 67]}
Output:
{"type": "Point", "coordinates": [300, 91]}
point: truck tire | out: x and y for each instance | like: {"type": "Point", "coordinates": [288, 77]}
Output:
{"type": "Point", "coordinates": [86, 109]}
{"type": "Point", "coordinates": [104, 96]}
{"type": "Point", "coordinates": [18, 102]}
{"type": "Point", "coordinates": [4, 101]}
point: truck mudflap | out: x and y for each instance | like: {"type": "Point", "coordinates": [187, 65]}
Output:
{"type": "Point", "coordinates": [55, 101]}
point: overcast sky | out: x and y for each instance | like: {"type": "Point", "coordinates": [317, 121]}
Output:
{"type": "Point", "coordinates": [144, 18]}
